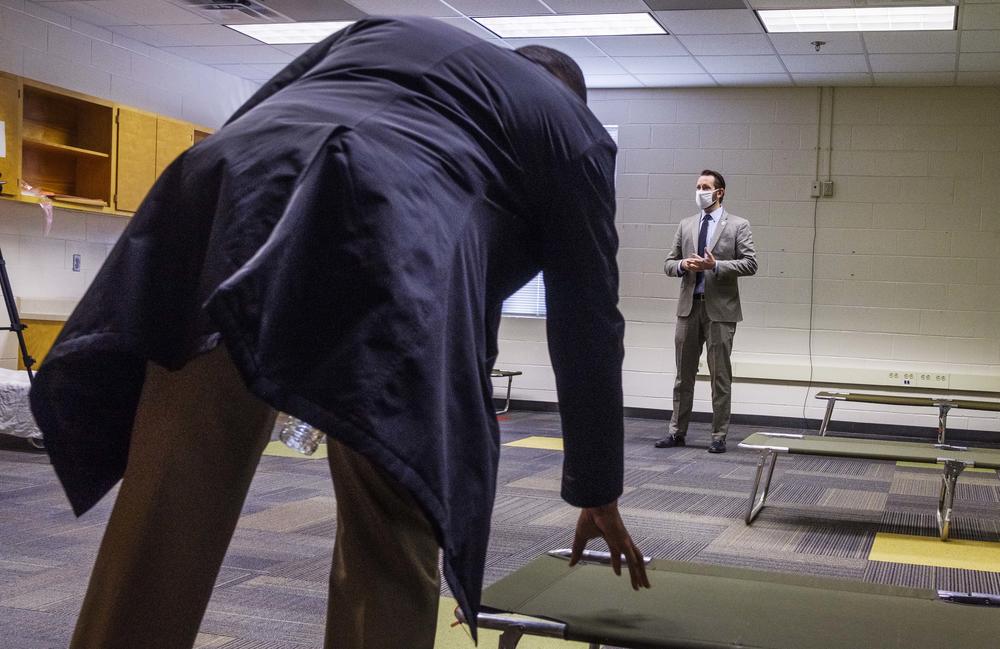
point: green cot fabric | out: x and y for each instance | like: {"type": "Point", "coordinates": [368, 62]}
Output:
{"type": "Point", "coordinates": [892, 400]}
{"type": "Point", "coordinates": [703, 607]}
{"type": "Point", "coordinates": [874, 449]}
{"type": "Point", "coordinates": [965, 404]}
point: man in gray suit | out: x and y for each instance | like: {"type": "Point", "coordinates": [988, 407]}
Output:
{"type": "Point", "coordinates": [712, 249]}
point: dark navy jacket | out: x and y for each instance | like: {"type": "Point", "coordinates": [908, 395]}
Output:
{"type": "Point", "coordinates": [350, 235]}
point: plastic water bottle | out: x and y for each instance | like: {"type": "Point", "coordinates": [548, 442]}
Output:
{"type": "Point", "coordinates": [300, 436]}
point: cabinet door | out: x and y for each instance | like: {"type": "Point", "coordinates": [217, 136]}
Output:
{"type": "Point", "coordinates": [136, 158]}
{"type": "Point", "coordinates": [10, 109]}
{"type": "Point", "coordinates": [172, 138]}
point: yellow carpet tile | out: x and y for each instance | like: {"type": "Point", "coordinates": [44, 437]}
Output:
{"type": "Point", "coordinates": [932, 551]}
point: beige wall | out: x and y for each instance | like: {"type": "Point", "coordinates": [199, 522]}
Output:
{"type": "Point", "coordinates": [895, 272]}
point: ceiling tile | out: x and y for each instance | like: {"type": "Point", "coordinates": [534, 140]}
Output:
{"type": "Point", "coordinates": [911, 42]}
{"type": "Point", "coordinates": [980, 16]}
{"type": "Point", "coordinates": [984, 41]}
{"type": "Point", "coordinates": [837, 79]}
{"type": "Point", "coordinates": [912, 62]}
{"type": "Point", "coordinates": [500, 7]}
{"type": "Point", "coordinates": [979, 61]}
{"type": "Point", "coordinates": [731, 44]}
{"type": "Point", "coordinates": [573, 46]}
{"type": "Point", "coordinates": [597, 6]}
{"type": "Point", "coordinates": [798, 4]}
{"type": "Point", "coordinates": [726, 21]}
{"type": "Point", "coordinates": [753, 79]}
{"type": "Point", "coordinates": [639, 45]}
{"type": "Point", "coordinates": [676, 5]}
{"type": "Point", "coordinates": [914, 78]}
{"type": "Point", "coordinates": [613, 81]}
{"type": "Point", "coordinates": [293, 48]}
{"type": "Point", "coordinates": [833, 43]}
{"type": "Point", "coordinates": [660, 64]}
{"type": "Point", "coordinates": [310, 10]}
{"type": "Point", "coordinates": [232, 54]}
{"type": "Point", "coordinates": [178, 35]}
{"type": "Point", "coordinates": [146, 35]}
{"type": "Point", "coordinates": [599, 65]}
{"type": "Point", "coordinates": [741, 64]}
{"type": "Point", "coordinates": [433, 8]}
{"type": "Point", "coordinates": [826, 63]}
{"type": "Point", "coordinates": [148, 12]}
{"type": "Point", "coordinates": [675, 80]}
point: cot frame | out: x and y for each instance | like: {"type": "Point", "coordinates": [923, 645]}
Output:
{"type": "Point", "coordinates": [769, 456]}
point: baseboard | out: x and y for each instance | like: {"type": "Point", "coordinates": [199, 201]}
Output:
{"type": "Point", "coordinates": [766, 421]}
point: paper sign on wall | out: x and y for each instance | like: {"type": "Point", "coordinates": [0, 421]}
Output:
{"type": "Point", "coordinates": [3, 139]}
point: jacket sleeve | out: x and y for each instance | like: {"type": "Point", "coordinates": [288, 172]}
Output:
{"type": "Point", "coordinates": [585, 328]}
{"type": "Point", "coordinates": [672, 265]}
{"type": "Point", "coordinates": [745, 261]}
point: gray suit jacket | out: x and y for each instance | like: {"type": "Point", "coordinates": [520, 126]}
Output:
{"type": "Point", "coordinates": [732, 246]}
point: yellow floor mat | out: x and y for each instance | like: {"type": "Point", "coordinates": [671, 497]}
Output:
{"type": "Point", "coordinates": [457, 637]}
{"type": "Point", "coordinates": [932, 551]}
{"type": "Point", "coordinates": [536, 441]}
{"type": "Point", "coordinates": [279, 449]}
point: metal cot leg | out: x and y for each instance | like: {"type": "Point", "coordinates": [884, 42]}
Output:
{"type": "Point", "coordinates": [826, 416]}
{"type": "Point", "coordinates": [949, 480]}
{"type": "Point", "coordinates": [943, 409]}
{"type": "Point", "coordinates": [506, 407]}
{"type": "Point", "coordinates": [754, 505]}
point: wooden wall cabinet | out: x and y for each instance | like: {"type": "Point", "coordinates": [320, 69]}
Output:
{"type": "Point", "coordinates": [67, 145]}
{"type": "Point", "coordinates": [10, 115]}
{"type": "Point", "coordinates": [83, 152]}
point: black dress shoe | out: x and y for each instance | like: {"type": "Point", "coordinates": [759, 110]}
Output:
{"type": "Point", "coordinates": [718, 446]}
{"type": "Point", "coordinates": [670, 441]}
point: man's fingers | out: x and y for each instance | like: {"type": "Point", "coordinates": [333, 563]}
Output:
{"type": "Point", "coordinates": [616, 561]}
{"type": "Point", "coordinates": [579, 544]}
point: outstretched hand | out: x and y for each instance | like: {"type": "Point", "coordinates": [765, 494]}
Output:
{"type": "Point", "coordinates": [606, 522]}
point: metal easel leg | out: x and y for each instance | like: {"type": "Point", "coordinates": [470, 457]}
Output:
{"type": "Point", "coordinates": [754, 505]}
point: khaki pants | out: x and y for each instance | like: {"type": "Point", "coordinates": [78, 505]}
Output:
{"type": "Point", "coordinates": [196, 442]}
{"type": "Point", "coordinates": [690, 335]}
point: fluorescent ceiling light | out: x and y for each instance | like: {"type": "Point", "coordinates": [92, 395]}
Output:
{"type": "Point", "coordinates": [286, 33]}
{"type": "Point", "coordinates": [553, 26]}
{"type": "Point", "coordinates": [867, 19]}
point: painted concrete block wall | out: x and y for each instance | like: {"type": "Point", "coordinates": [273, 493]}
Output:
{"type": "Point", "coordinates": [895, 271]}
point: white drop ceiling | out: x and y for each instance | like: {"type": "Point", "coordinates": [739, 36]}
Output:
{"type": "Point", "coordinates": [709, 42]}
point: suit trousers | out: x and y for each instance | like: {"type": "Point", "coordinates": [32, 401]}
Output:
{"type": "Point", "coordinates": [690, 335]}
{"type": "Point", "coordinates": [196, 442]}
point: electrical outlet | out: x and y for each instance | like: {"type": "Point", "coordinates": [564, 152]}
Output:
{"type": "Point", "coordinates": [938, 380]}
{"type": "Point", "coordinates": [897, 377]}
{"type": "Point", "coordinates": [816, 189]}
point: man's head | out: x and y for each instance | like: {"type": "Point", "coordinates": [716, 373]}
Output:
{"type": "Point", "coordinates": [559, 65]}
{"type": "Point", "coordinates": [710, 181]}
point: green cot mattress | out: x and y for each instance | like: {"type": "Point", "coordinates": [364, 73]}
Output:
{"type": "Point", "coordinates": [704, 606]}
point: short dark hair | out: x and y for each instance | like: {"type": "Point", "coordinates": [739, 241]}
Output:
{"type": "Point", "coordinates": [720, 182]}
{"type": "Point", "coordinates": [562, 66]}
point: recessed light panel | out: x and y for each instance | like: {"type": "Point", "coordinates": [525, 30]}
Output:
{"type": "Point", "coordinates": [865, 19]}
{"type": "Point", "coordinates": [554, 26]}
{"type": "Point", "coordinates": [287, 33]}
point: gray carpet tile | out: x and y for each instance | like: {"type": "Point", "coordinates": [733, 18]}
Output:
{"type": "Point", "coordinates": [682, 503]}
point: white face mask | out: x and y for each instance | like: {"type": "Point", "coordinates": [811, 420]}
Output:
{"type": "Point", "coordinates": [704, 198]}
